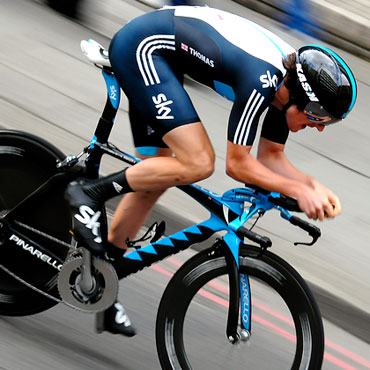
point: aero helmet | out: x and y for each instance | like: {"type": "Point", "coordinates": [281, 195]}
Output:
{"type": "Point", "coordinates": [324, 87]}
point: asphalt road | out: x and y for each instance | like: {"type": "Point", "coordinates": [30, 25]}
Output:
{"type": "Point", "coordinates": [49, 89]}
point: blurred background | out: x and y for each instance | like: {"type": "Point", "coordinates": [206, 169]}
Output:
{"type": "Point", "coordinates": [47, 87]}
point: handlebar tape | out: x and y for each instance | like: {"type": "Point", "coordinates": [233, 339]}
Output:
{"type": "Point", "coordinates": [263, 241]}
{"type": "Point", "coordinates": [313, 230]}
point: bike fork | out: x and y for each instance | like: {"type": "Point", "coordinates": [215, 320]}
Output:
{"type": "Point", "coordinates": [234, 294]}
{"type": "Point", "coordinates": [239, 292]}
{"type": "Point", "coordinates": [246, 307]}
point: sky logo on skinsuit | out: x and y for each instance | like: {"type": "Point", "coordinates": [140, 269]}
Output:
{"type": "Point", "coordinates": [268, 80]}
{"type": "Point", "coordinates": [162, 105]}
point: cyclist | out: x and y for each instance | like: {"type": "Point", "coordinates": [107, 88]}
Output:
{"type": "Point", "coordinates": [309, 87]}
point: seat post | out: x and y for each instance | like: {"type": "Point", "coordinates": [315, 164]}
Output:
{"type": "Point", "coordinates": [105, 123]}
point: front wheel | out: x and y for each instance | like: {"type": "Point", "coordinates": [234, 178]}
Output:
{"type": "Point", "coordinates": [287, 331]}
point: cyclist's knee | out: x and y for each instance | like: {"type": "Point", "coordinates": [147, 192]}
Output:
{"type": "Point", "coordinates": [207, 167]}
{"type": "Point", "coordinates": [199, 169]}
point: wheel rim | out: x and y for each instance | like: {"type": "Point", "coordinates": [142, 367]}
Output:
{"type": "Point", "coordinates": [274, 338]}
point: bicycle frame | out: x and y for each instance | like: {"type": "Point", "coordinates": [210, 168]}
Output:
{"type": "Point", "coordinates": [227, 213]}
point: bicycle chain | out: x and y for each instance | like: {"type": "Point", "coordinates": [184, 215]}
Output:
{"type": "Point", "coordinates": [30, 285]}
{"type": "Point", "coordinates": [27, 284]}
{"type": "Point", "coordinates": [45, 235]}
{"type": "Point", "coordinates": [24, 282]}
{"type": "Point", "coordinates": [73, 251]}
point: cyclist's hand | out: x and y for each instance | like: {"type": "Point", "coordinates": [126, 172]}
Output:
{"type": "Point", "coordinates": [318, 202]}
{"type": "Point", "coordinates": [332, 198]}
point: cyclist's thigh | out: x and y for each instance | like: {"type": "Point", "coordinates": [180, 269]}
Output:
{"type": "Point", "coordinates": [142, 54]}
{"type": "Point", "coordinates": [191, 144]}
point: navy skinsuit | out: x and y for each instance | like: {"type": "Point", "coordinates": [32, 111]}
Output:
{"type": "Point", "coordinates": [237, 58]}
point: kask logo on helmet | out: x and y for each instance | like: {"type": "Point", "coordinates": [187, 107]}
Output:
{"type": "Point", "coordinates": [305, 85]}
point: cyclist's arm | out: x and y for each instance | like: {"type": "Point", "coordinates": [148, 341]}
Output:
{"type": "Point", "coordinates": [273, 157]}
{"type": "Point", "coordinates": [242, 166]}
{"type": "Point", "coordinates": [274, 135]}
{"type": "Point", "coordinates": [316, 200]}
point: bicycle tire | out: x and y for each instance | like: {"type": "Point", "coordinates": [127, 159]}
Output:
{"type": "Point", "coordinates": [183, 344]}
{"type": "Point", "coordinates": [26, 162]}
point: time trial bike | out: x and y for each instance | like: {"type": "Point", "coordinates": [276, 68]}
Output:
{"type": "Point", "coordinates": [232, 280]}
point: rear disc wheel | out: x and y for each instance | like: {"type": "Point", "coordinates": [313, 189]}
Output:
{"type": "Point", "coordinates": [26, 162]}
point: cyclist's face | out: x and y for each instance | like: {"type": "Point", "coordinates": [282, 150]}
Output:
{"type": "Point", "coordinates": [297, 120]}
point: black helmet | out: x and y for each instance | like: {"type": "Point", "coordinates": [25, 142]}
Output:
{"type": "Point", "coordinates": [324, 87]}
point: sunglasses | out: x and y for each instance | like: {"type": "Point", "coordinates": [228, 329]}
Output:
{"type": "Point", "coordinates": [315, 112]}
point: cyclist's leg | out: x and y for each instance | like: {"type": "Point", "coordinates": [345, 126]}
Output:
{"type": "Point", "coordinates": [193, 161]}
{"type": "Point", "coordinates": [144, 60]}
{"type": "Point", "coordinates": [135, 207]}
{"type": "Point", "coordinates": [133, 210]}
{"type": "Point", "coordinates": [155, 89]}
{"type": "Point", "coordinates": [163, 171]}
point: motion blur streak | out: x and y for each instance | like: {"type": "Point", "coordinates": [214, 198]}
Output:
{"type": "Point", "coordinates": [338, 362]}
{"type": "Point", "coordinates": [348, 354]}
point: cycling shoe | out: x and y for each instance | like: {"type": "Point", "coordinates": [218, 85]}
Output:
{"type": "Point", "coordinates": [87, 215]}
{"type": "Point", "coordinates": [113, 253]}
{"type": "Point", "coordinates": [115, 321]}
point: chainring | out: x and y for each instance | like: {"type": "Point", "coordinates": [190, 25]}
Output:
{"type": "Point", "coordinates": [105, 285]}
